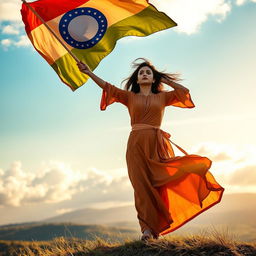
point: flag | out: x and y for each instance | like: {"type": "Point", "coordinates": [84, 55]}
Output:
{"type": "Point", "coordinates": [89, 29]}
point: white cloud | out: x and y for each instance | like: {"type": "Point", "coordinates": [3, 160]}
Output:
{"type": "Point", "coordinates": [10, 13]}
{"type": "Point", "coordinates": [244, 154]}
{"type": "Point", "coordinates": [241, 2]}
{"type": "Point", "coordinates": [10, 10]}
{"type": "Point", "coordinates": [6, 42]}
{"type": "Point", "coordinates": [190, 15]}
{"type": "Point", "coordinates": [233, 167]}
{"type": "Point", "coordinates": [10, 29]}
{"type": "Point", "coordinates": [23, 41]}
{"type": "Point", "coordinates": [56, 182]}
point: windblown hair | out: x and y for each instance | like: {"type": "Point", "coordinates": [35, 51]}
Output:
{"type": "Point", "coordinates": [157, 86]}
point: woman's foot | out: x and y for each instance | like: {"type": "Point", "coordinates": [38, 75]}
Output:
{"type": "Point", "coordinates": [146, 235]}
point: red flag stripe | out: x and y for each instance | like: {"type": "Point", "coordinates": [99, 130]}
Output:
{"type": "Point", "coordinates": [48, 10]}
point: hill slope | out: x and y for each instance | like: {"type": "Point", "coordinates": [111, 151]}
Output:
{"type": "Point", "coordinates": [45, 232]}
{"type": "Point", "coordinates": [235, 213]}
{"type": "Point", "coordinates": [99, 216]}
{"type": "Point", "coordinates": [234, 208]}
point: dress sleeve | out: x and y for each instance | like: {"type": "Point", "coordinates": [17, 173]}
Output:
{"type": "Point", "coordinates": [179, 98]}
{"type": "Point", "coordinates": [111, 94]}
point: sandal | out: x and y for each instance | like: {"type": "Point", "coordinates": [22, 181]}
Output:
{"type": "Point", "coordinates": [146, 235]}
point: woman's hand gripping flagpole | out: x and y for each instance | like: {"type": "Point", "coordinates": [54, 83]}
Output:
{"type": "Point", "coordinates": [84, 68]}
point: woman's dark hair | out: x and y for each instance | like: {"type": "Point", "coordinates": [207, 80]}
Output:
{"type": "Point", "coordinates": [157, 75]}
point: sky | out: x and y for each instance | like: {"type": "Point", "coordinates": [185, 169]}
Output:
{"type": "Point", "coordinates": [59, 152]}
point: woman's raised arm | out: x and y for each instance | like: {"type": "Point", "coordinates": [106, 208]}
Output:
{"type": "Point", "coordinates": [179, 97]}
{"type": "Point", "coordinates": [173, 84]}
{"type": "Point", "coordinates": [85, 69]}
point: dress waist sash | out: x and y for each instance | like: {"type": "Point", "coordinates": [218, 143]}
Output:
{"type": "Point", "coordinates": [164, 149]}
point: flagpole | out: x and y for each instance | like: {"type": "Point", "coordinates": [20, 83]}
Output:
{"type": "Point", "coordinates": [47, 26]}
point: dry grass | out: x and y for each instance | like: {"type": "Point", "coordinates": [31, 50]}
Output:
{"type": "Point", "coordinates": [206, 243]}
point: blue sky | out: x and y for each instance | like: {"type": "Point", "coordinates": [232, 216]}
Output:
{"type": "Point", "coordinates": [45, 127]}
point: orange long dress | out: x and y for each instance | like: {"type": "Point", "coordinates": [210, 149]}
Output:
{"type": "Point", "coordinates": [169, 190]}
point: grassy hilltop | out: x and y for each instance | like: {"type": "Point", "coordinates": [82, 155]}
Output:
{"type": "Point", "coordinates": [213, 244]}
{"type": "Point", "coordinates": [117, 233]}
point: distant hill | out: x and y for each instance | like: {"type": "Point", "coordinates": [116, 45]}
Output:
{"type": "Point", "coordinates": [234, 208]}
{"type": "Point", "coordinates": [236, 213]}
{"type": "Point", "coordinates": [45, 232]}
{"type": "Point", "coordinates": [97, 216]}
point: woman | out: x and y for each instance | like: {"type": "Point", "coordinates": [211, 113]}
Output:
{"type": "Point", "coordinates": [169, 190]}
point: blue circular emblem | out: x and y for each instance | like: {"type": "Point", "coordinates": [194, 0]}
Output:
{"type": "Point", "coordinates": [83, 28]}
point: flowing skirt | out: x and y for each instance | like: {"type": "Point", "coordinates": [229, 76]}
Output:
{"type": "Point", "coordinates": [169, 193]}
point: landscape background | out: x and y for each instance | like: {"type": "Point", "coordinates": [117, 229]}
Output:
{"type": "Point", "coordinates": [59, 154]}
{"type": "Point", "coordinates": [235, 219]}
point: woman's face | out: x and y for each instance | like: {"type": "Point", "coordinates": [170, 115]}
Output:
{"type": "Point", "coordinates": [145, 76]}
